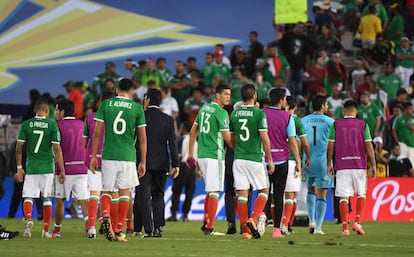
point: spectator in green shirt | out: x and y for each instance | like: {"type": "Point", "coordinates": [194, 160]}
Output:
{"type": "Point", "coordinates": [395, 29]}
{"type": "Point", "coordinates": [389, 81]}
{"type": "Point", "coordinates": [369, 113]}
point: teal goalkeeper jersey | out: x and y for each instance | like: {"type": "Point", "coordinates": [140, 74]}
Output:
{"type": "Point", "coordinates": [39, 133]}
{"type": "Point", "coordinates": [121, 116]}
{"type": "Point", "coordinates": [211, 120]}
{"type": "Point", "coordinates": [247, 122]}
{"type": "Point", "coordinates": [317, 130]}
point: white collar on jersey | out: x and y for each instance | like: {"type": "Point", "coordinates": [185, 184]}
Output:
{"type": "Point", "coordinates": [69, 118]}
{"type": "Point", "coordinates": [153, 106]}
{"type": "Point", "coordinates": [40, 117]}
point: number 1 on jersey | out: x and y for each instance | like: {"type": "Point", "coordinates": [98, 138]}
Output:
{"type": "Point", "coordinates": [314, 135]}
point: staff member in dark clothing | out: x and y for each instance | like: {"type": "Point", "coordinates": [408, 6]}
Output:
{"type": "Point", "coordinates": [149, 201]}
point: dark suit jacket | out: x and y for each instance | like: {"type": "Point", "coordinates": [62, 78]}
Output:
{"type": "Point", "coordinates": [162, 145]}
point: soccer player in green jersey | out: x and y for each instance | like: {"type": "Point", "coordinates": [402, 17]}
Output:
{"type": "Point", "coordinates": [42, 137]}
{"type": "Point", "coordinates": [120, 117]}
{"type": "Point", "coordinates": [212, 127]}
{"type": "Point", "coordinates": [249, 133]}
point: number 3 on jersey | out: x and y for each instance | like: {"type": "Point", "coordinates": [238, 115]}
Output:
{"type": "Point", "coordinates": [119, 126]}
{"type": "Point", "coordinates": [205, 123]}
{"type": "Point", "coordinates": [244, 128]}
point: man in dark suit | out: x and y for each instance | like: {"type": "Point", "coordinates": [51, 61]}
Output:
{"type": "Point", "coordinates": [162, 149]}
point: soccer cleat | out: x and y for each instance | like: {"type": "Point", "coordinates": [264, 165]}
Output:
{"type": "Point", "coordinates": [284, 230]}
{"type": "Point", "coordinates": [212, 232]}
{"type": "Point", "coordinates": [157, 232]}
{"type": "Point", "coordinates": [318, 232]}
{"type": "Point", "coordinates": [345, 232]}
{"type": "Point", "coordinates": [6, 235]}
{"type": "Point", "coordinates": [204, 226]}
{"type": "Point", "coordinates": [253, 228]}
{"type": "Point", "coordinates": [231, 228]}
{"type": "Point", "coordinates": [290, 229]}
{"type": "Point", "coordinates": [107, 229]}
{"type": "Point", "coordinates": [172, 218]}
{"type": "Point", "coordinates": [28, 229]}
{"type": "Point", "coordinates": [261, 224]}
{"type": "Point", "coordinates": [91, 232]}
{"type": "Point", "coordinates": [312, 226]}
{"type": "Point", "coordinates": [56, 235]}
{"type": "Point", "coordinates": [129, 231]}
{"type": "Point", "coordinates": [46, 234]}
{"type": "Point", "coordinates": [246, 236]}
{"type": "Point", "coordinates": [277, 233]}
{"type": "Point", "coordinates": [358, 228]}
{"type": "Point", "coordinates": [120, 237]}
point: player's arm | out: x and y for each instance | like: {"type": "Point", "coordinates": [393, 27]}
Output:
{"type": "Point", "coordinates": [264, 137]}
{"type": "Point", "coordinates": [191, 162]}
{"type": "Point", "coordinates": [306, 148]}
{"type": "Point", "coordinates": [370, 151]}
{"type": "Point", "coordinates": [19, 153]}
{"type": "Point", "coordinates": [377, 131]}
{"type": "Point", "coordinates": [172, 143]}
{"type": "Point", "coordinates": [293, 145]}
{"type": "Point", "coordinates": [330, 150]}
{"type": "Point", "coordinates": [142, 135]}
{"type": "Point", "coordinates": [95, 144]}
{"type": "Point", "coordinates": [57, 150]}
{"type": "Point", "coordinates": [227, 138]}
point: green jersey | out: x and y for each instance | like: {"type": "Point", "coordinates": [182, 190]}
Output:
{"type": "Point", "coordinates": [223, 71]}
{"type": "Point", "coordinates": [235, 90]}
{"type": "Point", "coordinates": [390, 83]}
{"type": "Point", "coordinates": [246, 123]}
{"type": "Point", "coordinates": [369, 113]}
{"type": "Point", "coordinates": [262, 90]}
{"type": "Point", "coordinates": [407, 63]}
{"type": "Point", "coordinates": [145, 76]}
{"type": "Point", "coordinates": [395, 29]}
{"type": "Point", "coordinates": [166, 73]}
{"type": "Point", "coordinates": [401, 126]}
{"type": "Point", "coordinates": [300, 132]}
{"type": "Point", "coordinates": [121, 116]}
{"type": "Point", "coordinates": [211, 121]}
{"type": "Point", "coordinates": [39, 133]}
{"type": "Point", "coordinates": [208, 72]}
{"type": "Point", "coordinates": [101, 78]}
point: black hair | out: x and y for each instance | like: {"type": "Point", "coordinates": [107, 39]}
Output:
{"type": "Point", "coordinates": [67, 106]}
{"type": "Point", "coordinates": [191, 58]}
{"type": "Point", "coordinates": [247, 92]}
{"type": "Point", "coordinates": [154, 96]}
{"type": "Point", "coordinates": [291, 101]}
{"type": "Point", "coordinates": [276, 95]}
{"type": "Point", "coordinates": [125, 84]}
{"type": "Point", "coordinates": [107, 95]}
{"type": "Point", "coordinates": [220, 88]}
{"type": "Point", "coordinates": [159, 59]}
{"type": "Point", "coordinates": [350, 104]}
{"type": "Point", "coordinates": [407, 104]}
{"type": "Point", "coordinates": [318, 101]}
{"type": "Point", "coordinates": [41, 104]}
{"type": "Point", "coordinates": [254, 33]}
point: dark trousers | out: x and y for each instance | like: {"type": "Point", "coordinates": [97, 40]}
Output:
{"type": "Point", "coordinates": [278, 180]}
{"type": "Point", "coordinates": [186, 179]}
{"type": "Point", "coordinates": [149, 205]}
{"type": "Point", "coordinates": [17, 198]}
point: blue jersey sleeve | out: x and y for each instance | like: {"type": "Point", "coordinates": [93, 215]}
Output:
{"type": "Point", "coordinates": [291, 128]}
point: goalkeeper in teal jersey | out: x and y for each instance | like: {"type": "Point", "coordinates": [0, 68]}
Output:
{"type": "Point", "coordinates": [317, 127]}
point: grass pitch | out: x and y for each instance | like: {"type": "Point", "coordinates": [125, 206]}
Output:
{"type": "Point", "coordinates": [186, 239]}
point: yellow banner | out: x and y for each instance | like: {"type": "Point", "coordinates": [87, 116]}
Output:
{"type": "Point", "coordinates": [291, 11]}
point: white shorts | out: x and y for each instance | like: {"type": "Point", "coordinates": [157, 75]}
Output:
{"type": "Point", "coordinates": [36, 183]}
{"type": "Point", "coordinates": [292, 183]}
{"type": "Point", "coordinates": [349, 182]}
{"type": "Point", "coordinates": [94, 181]}
{"type": "Point", "coordinates": [118, 175]}
{"type": "Point", "coordinates": [249, 173]}
{"type": "Point", "coordinates": [75, 184]}
{"type": "Point", "coordinates": [213, 174]}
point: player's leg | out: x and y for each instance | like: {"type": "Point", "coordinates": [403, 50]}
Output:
{"type": "Point", "coordinates": [320, 209]}
{"type": "Point", "coordinates": [311, 203]}
{"type": "Point", "coordinates": [61, 194]}
{"type": "Point", "coordinates": [242, 185]}
{"type": "Point", "coordinates": [278, 179]}
{"type": "Point", "coordinates": [177, 187]}
{"type": "Point", "coordinates": [109, 173]}
{"type": "Point", "coordinates": [293, 184]}
{"type": "Point", "coordinates": [129, 219]}
{"type": "Point", "coordinates": [293, 213]}
{"type": "Point", "coordinates": [343, 190]}
{"type": "Point", "coordinates": [158, 205]}
{"type": "Point", "coordinates": [80, 192]}
{"type": "Point", "coordinates": [30, 190]}
{"type": "Point", "coordinates": [94, 187]}
{"type": "Point", "coordinates": [189, 184]}
{"type": "Point", "coordinates": [287, 212]}
{"type": "Point", "coordinates": [202, 164]}
{"type": "Point", "coordinates": [360, 182]}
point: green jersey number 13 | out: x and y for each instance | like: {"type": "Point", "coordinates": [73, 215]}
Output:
{"type": "Point", "coordinates": [205, 123]}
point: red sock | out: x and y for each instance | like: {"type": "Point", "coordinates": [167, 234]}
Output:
{"type": "Point", "coordinates": [287, 212]}
{"type": "Point", "coordinates": [114, 212]}
{"type": "Point", "coordinates": [106, 205]}
{"type": "Point", "coordinates": [344, 211]}
{"type": "Point", "coordinates": [28, 209]}
{"type": "Point", "coordinates": [47, 215]}
{"type": "Point", "coordinates": [206, 208]}
{"type": "Point", "coordinates": [212, 209]}
{"type": "Point", "coordinates": [259, 205]}
{"type": "Point", "coordinates": [129, 224]}
{"type": "Point", "coordinates": [360, 207]}
{"type": "Point", "coordinates": [243, 212]}
{"type": "Point", "coordinates": [292, 215]}
{"type": "Point", "coordinates": [92, 210]}
{"type": "Point", "coordinates": [123, 212]}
